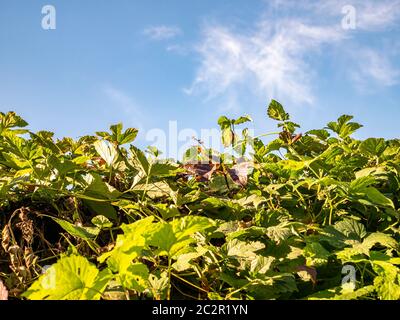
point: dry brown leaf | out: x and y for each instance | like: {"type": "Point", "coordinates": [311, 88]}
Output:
{"type": "Point", "coordinates": [310, 271]}
{"type": "Point", "coordinates": [3, 291]}
{"type": "Point", "coordinates": [239, 173]}
{"type": "Point", "coordinates": [202, 172]}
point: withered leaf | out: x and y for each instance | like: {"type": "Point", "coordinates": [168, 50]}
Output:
{"type": "Point", "coordinates": [310, 271]}
{"type": "Point", "coordinates": [287, 137]}
{"type": "Point", "coordinates": [3, 291]}
{"type": "Point", "coordinates": [239, 173]}
{"type": "Point", "coordinates": [202, 172]}
{"type": "Point", "coordinates": [5, 238]}
{"type": "Point", "coordinates": [296, 138]}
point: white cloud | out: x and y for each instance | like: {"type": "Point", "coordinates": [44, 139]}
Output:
{"type": "Point", "coordinates": [379, 15]}
{"type": "Point", "coordinates": [371, 15]}
{"type": "Point", "coordinates": [374, 66]}
{"type": "Point", "coordinates": [178, 49]}
{"type": "Point", "coordinates": [276, 58]}
{"type": "Point", "coordinates": [162, 32]}
{"type": "Point", "coordinates": [271, 59]}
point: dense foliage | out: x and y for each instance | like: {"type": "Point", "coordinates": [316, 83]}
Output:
{"type": "Point", "coordinates": [97, 218]}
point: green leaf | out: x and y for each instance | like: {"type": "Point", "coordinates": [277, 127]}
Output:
{"type": "Point", "coordinates": [139, 162]}
{"type": "Point", "coordinates": [338, 293]}
{"type": "Point", "coordinates": [373, 147]}
{"type": "Point", "coordinates": [261, 265]}
{"type": "Point", "coordinates": [387, 283]}
{"type": "Point", "coordinates": [224, 122]}
{"type": "Point", "coordinates": [272, 287]}
{"type": "Point", "coordinates": [159, 285]}
{"type": "Point", "coordinates": [153, 151]}
{"type": "Point", "coordinates": [172, 237]}
{"type": "Point", "coordinates": [227, 137]}
{"type": "Point", "coordinates": [189, 225]}
{"type": "Point", "coordinates": [241, 249]}
{"type": "Point", "coordinates": [71, 278]}
{"type": "Point", "coordinates": [322, 134]}
{"type": "Point", "coordinates": [362, 189]}
{"type": "Point", "coordinates": [135, 277]}
{"type": "Point", "coordinates": [11, 120]}
{"type": "Point", "coordinates": [351, 229]}
{"type": "Point", "coordinates": [382, 239]}
{"type": "Point", "coordinates": [117, 136]}
{"type": "Point", "coordinates": [128, 136]}
{"type": "Point", "coordinates": [361, 183]}
{"type": "Point", "coordinates": [274, 145]}
{"type": "Point", "coordinates": [316, 254]}
{"type": "Point", "coordinates": [377, 198]}
{"type": "Point", "coordinates": [276, 111]}
{"type": "Point", "coordinates": [96, 188]}
{"type": "Point", "coordinates": [167, 211]}
{"type": "Point", "coordinates": [355, 295]}
{"type": "Point", "coordinates": [128, 247]}
{"type": "Point", "coordinates": [86, 233]}
{"type": "Point", "coordinates": [101, 208]}
{"type": "Point", "coordinates": [102, 222]}
{"type": "Point", "coordinates": [116, 130]}
{"type": "Point", "coordinates": [360, 251]}
{"type": "Point", "coordinates": [243, 119]}
{"type": "Point", "coordinates": [280, 232]}
{"type": "Point", "coordinates": [357, 253]}
{"type": "Point", "coordinates": [162, 236]}
{"type": "Point", "coordinates": [184, 260]}
{"type": "Point", "coordinates": [160, 169]}
{"type": "Point", "coordinates": [289, 126]}
{"type": "Point", "coordinates": [155, 190]}
{"type": "Point", "coordinates": [343, 127]}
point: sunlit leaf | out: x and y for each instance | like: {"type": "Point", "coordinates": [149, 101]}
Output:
{"type": "Point", "coordinates": [71, 278]}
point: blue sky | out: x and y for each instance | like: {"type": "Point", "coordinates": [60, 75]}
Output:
{"type": "Point", "coordinates": [146, 63]}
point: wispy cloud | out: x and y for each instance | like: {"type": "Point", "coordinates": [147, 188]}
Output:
{"type": "Point", "coordinates": [371, 15]}
{"type": "Point", "coordinates": [379, 14]}
{"type": "Point", "coordinates": [120, 98]}
{"type": "Point", "coordinates": [123, 102]}
{"type": "Point", "coordinates": [270, 59]}
{"type": "Point", "coordinates": [162, 32]}
{"type": "Point", "coordinates": [276, 58]}
{"type": "Point", "coordinates": [375, 66]}
{"type": "Point", "coordinates": [178, 49]}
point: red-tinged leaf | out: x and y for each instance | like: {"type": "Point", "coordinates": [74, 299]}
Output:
{"type": "Point", "coordinates": [311, 271]}
{"type": "Point", "coordinates": [296, 138]}
{"type": "Point", "coordinates": [202, 172]}
{"type": "Point", "coordinates": [239, 173]}
{"type": "Point", "coordinates": [289, 138]}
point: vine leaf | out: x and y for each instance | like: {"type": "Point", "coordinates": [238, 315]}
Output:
{"type": "Point", "coordinates": [71, 278]}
